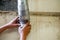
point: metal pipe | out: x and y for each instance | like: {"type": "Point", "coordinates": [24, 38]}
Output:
{"type": "Point", "coordinates": [23, 12]}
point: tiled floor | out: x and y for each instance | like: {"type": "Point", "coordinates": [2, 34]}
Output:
{"type": "Point", "coordinates": [43, 28]}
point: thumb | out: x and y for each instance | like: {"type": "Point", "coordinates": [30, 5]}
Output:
{"type": "Point", "coordinates": [16, 25]}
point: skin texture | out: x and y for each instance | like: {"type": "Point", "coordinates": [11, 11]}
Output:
{"type": "Point", "coordinates": [12, 24]}
{"type": "Point", "coordinates": [23, 32]}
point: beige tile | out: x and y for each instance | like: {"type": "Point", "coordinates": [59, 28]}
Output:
{"type": "Point", "coordinates": [43, 28]}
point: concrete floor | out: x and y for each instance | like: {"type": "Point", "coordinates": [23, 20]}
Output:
{"type": "Point", "coordinates": [43, 28]}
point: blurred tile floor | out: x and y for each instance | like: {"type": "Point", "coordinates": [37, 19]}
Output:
{"type": "Point", "coordinates": [43, 28]}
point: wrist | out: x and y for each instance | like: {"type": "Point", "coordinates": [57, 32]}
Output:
{"type": "Point", "coordinates": [3, 28]}
{"type": "Point", "coordinates": [6, 26]}
{"type": "Point", "coordinates": [22, 36]}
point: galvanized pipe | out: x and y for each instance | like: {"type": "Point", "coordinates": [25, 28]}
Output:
{"type": "Point", "coordinates": [23, 12]}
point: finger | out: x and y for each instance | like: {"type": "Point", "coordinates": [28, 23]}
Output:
{"type": "Point", "coordinates": [25, 25]}
{"type": "Point", "coordinates": [15, 19]}
{"type": "Point", "coordinates": [28, 24]}
{"type": "Point", "coordinates": [16, 25]}
{"type": "Point", "coordinates": [18, 21]}
{"type": "Point", "coordinates": [29, 27]}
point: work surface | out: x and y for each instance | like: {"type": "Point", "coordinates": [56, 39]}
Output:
{"type": "Point", "coordinates": [43, 27]}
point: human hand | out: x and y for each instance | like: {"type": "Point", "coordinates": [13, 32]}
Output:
{"type": "Point", "coordinates": [24, 31]}
{"type": "Point", "coordinates": [13, 24]}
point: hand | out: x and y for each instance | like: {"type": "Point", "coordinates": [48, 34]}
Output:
{"type": "Point", "coordinates": [25, 30]}
{"type": "Point", "coordinates": [13, 24]}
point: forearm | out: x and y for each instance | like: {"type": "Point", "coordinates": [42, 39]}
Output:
{"type": "Point", "coordinates": [22, 37]}
{"type": "Point", "coordinates": [3, 28]}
